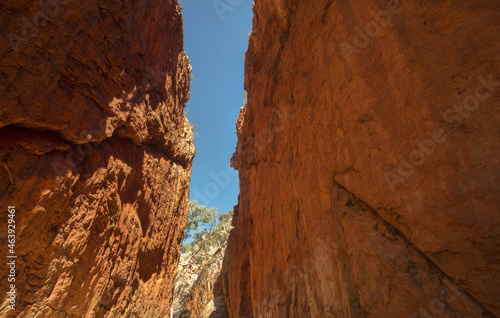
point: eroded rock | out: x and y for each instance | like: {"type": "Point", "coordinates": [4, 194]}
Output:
{"type": "Point", "coordinates": [368, 161]}
{"type": "Point", "coordinates": [95, 155]}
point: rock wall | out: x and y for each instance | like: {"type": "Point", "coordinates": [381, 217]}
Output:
{"type": "Point", "coordinates": [368, 157]}
{"type": "Point", "coordinates": [95, 155]}
{"type": "Point", "coordinates": [198, 287]}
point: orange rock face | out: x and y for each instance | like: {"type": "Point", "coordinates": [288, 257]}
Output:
{"type": "Point", "coordinates": [95, 155]}
{"type": "Point", "coordinates": [368, 161]}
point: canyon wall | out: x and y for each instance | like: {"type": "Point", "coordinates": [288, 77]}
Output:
{"type": "Point", "coordinates": [95, 156]}
{"type": "Point", "coordinates": [198, 288]}
{"type": "Point", "coordinates": [368, 158]}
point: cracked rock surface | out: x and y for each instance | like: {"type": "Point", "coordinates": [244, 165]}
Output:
{"type": "Point", "coordinates": [368, 161]}
{"type": "Point", "coordinates": [95, 154]}
{"type": "Point", "coordinates": [199, 287]}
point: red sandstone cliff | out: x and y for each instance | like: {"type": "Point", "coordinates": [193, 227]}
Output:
{"type": "Point", "coordinates": [95, 155]}
{"type": "Point", "coordinates": [368, 156]}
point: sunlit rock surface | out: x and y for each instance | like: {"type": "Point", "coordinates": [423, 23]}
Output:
{"type": "Point", "coordinates": [95, 155]}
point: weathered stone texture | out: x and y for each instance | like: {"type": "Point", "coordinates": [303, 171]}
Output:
{"type": "Point", "coordinates": [95, 155]}
{"type": "Point", "coordinates": [368, 156]}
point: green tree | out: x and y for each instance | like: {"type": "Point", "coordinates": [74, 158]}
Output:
{"type": "Point", "coordinates": [222, 229]}
{"type": "Point", "coordinates": [200, 221]}
{"type": "Point", "coordinates": [204, 230]}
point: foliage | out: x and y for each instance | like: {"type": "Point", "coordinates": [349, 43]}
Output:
{"type": "Point", "coordinates": [199, 216]}
{"type": "Point", "coordinates": [195, 129]}
{"type": "Point", "coordinates": [245, 98]}
{"type": "Point", "coordinates": [112, 219]}
{"type": "Point", "coordinates": [204, 231]}
{"type": "Point", "coordinates": [193, 125]}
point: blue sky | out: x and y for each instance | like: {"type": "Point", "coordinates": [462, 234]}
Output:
{"type": "Point", "coordinates": [215, 40]}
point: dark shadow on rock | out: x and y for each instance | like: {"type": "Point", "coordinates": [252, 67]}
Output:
{"type": "Point", "coordinates": [219, 301]}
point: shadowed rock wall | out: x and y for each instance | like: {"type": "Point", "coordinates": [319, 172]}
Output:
{"type": "Point", "coordinates": [95, 155]}
{"type": "Point", "coordinates": [368, 160]}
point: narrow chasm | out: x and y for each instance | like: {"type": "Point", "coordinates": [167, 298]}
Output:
{"type": "Point", "coordinates": [217, 36]}
{"type": "Point", "coordinates": [361, 178]}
